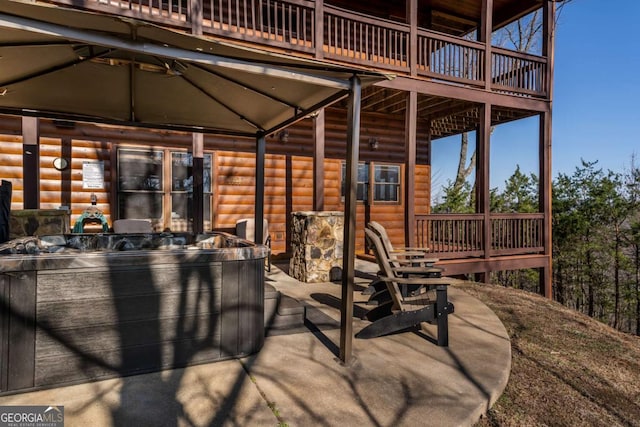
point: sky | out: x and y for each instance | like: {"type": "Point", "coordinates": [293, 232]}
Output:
{"type": "Point", "coordinates": [596, 99]}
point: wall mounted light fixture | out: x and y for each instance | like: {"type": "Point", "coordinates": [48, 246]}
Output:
{"type": "Point", "coordinates": [373, 143]}
{"type": "Point", "coordinates": [60, 163]}
{"type": "Point", "coordinates": [284, 136]}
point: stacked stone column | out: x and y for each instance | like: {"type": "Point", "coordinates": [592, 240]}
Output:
{"type": "Point", "coordinates": [316, 241]}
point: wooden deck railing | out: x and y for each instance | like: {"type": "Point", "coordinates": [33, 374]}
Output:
{"type": "Point", "coordinates": [451, 235]}
{"type": "Point", "coordinates": [450, 58]}
{"type": "Point", "coordinates": [462, 235]}
{"type": "Point", "coordinates": [362, 39]}
{"type": "Point", "coordinates": [289, 24]}
{"type": "Point", "coordinates": [346, 36]}
{"type": "Point", "coordinates": [518, 72]}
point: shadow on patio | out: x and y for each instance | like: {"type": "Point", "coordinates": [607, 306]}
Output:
{"type": "Point", "coordinates": [297, 379]}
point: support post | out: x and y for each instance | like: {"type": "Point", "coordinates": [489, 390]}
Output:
{"type": "Point", "coordinates": [548, 36]}
{"type": "Point", "coordinates": [548, 42]}
{"type": "Point", "coordinates": [545, 201]}
{"type": "Point", "coordinates": [486, 29]}
{"type": "Point", "coordinates": [483, 192]}
{"type": "Point", "coordinates": [318, 162]}
{"type": "Point", "coordinates": [259, 198]}
{"type": "Point", "coordinates": [198, 175]}
{"type": "Point", "coordinates": [318, 36]}
{"type": "Point", "coordinates": [412, 20]}
{"type": "Point", "coordinates": [410, 168]}
{"type": "Point", "coordinates": [348, 256]}
{"type": "Point", "coordinates": [31, 162]}
{"type": "Point", "coordinates": [196, 17]}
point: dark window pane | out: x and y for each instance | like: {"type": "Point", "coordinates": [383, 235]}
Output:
{"type": "Point", "coordinates": [182, 172]}
{"type": "Point", "coordinates": [362, 191]}
{"type": "Point", "coordinates": [387, 183]}
{"type": "Point", "coordinates": [140, 170]}
{"type": "Point", "coordinates": [182, 211]}
{"type": "Point", "coordinates": [140, 205]}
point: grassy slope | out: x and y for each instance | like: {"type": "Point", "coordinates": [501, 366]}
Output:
{"type": "Point", "coordinates": [567, 369]}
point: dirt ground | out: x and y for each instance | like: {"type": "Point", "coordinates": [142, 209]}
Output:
{"type": "Point", "coordinates": [567, 369]}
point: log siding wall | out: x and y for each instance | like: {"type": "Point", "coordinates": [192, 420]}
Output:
{"type": "Point", "coordinates": [288, 169]}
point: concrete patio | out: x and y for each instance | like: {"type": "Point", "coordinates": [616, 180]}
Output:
{"type": "Point", "coordinates": [298, 380]}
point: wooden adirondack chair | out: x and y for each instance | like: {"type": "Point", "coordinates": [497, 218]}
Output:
{"type": "Point", "coordinates": [405, 255]}
{"type": "Point", "coordinates": [397, 312]}
{"type": "Point", "coordinates": [406, 261]}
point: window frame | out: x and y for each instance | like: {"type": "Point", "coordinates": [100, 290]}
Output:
{"type": "Point", "coordinates": [166, 191]}
{"type": "Point", "coordinates": [398, 185]}
{"type": "Point", "coordinates": [122, 191]}
{"type": "Point", "coordinates": [208, 195]}
{"type": "Point", "coordinates": [370, 184]}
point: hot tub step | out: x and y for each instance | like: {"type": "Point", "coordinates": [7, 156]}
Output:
{"type": "Point", "coordinates": [289, 315]}
{"type": "Point", "coordinates": [271, 301]}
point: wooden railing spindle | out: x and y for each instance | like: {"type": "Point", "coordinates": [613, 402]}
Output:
{"type": "Point", "coordinates": [458, 235]}
{"type": "Point", "coordinates": [351, 37]}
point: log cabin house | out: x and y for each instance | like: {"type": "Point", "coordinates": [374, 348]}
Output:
{"type": "Point", "coordinates": [449, 79]}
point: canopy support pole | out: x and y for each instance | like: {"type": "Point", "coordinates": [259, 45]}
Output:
{"type": "Point", "coordinates": [31, 162]}
{"type": "Point", "coordinates": [259, 199]}
{"type": "Point", "coordinates": [198, 175]}
{"type": "Point", "coordinates": [349, 244]}
{"type": "Point", "coordinates": [318, 161]}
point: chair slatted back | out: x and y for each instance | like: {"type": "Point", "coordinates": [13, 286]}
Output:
{"type": "Point", "coordinates": [385, 267]}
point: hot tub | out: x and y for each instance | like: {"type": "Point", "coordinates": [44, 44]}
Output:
{"type": "Point", "coordinates": [84, 307]}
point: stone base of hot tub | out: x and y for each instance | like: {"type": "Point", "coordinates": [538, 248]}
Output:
{"type": "Point", "coordinates": [75, 316]}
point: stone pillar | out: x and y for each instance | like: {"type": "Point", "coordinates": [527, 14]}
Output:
{"type": "Point", "coordinates": [316, 243]}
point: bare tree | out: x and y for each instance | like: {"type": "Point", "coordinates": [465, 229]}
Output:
{"type": "Point", "coordinates": [523, 35]}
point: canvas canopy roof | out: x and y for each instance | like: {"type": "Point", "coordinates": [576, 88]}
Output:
{"type": "Point", "coordinates": [70, 64]}
{"type": "Point", "coordinates": [63, 63]}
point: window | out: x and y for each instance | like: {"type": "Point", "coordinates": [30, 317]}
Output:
{"type": "Point", "coordinates": [386, 186]}
{"type": "Point", "coordinates": [182, 186]}
{"type": "Point", "coordinates": [140, 189]}
{"type": "Point", "coordinates": [144, 192]}
{"type": "Point", "coordinates": [386, 182]}
{"type": "Point", "coordinates": [362, 191]}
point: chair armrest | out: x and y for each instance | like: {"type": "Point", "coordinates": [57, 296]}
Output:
{"type": "Point", "coordinates": [417, 270]}
{"type": "Point", "coordinates": [410, 249]}
{"type": "Point", "coordinates": [415, 260]}
{"type": "Point", "coordinates": [427, 281]}
{"type": "Point", "coordinates": [407, 254]}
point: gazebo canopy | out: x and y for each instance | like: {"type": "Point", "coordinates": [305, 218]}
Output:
{"type": "Point", "coordinates": [77, 65]}
{"type": "Point", "coordinates": [71, 64]}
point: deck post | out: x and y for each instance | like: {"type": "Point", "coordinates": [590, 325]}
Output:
{"type": "Point", "coordinates": [410, 168]}
{"type": "Point", "coordinates": [548, 37]}
{"type": "Point", "coordinates": [318, 36]}
{"type": "Point", "coordinates": [318, 161]}
{"type": "Point", "coordinates": [31, 162]}
{"type": "Point", "coordinates": [259, 190]}
{"type": "Point", "coordinates": [545, 186]}
{"type": "Point", "coordinates": [548, 33]}
{"type": "Point", "coordinates": [412, 20]}
{"type": "Point", "coordinates": [196, 17]}
{"type": "Point", "coordinates": [483, 191]}
{"type": "Point", "coordinates": [484, 35]}
{"type": "Point", "coordinates": [198, 139]}
{"type": "Point", "coordinates": [198, 175]}
{"type": "Point", "coordinates": [348, 256]}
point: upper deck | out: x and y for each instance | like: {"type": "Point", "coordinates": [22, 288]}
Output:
{"type": "Point", "coordinates": [321, 30]}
